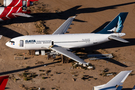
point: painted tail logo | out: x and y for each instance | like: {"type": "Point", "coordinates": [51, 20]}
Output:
{"type": "Point", "coordinates": [118, 28]}
{"type": "Point", "coordinates": [3, 82]}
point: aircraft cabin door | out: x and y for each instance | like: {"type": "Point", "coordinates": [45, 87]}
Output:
{"type": "Point", "coordinates": [52, 43]}
{"type": "Point", "coordinates": [21, 43]}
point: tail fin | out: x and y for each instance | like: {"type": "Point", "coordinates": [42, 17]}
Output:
{"type": "Point", "coordinates": [115, 83]}
{"type": "Point", "coordinates": [3, 82]}
{"type": "Point", "coordinates": [116, 24]}
{"type": "Point", "coordinates": [119, 78]}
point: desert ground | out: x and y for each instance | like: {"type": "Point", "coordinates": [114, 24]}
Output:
{"type": "Point", "coordinates": [48, 15]}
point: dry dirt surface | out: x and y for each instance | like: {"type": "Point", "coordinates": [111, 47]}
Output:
{"type": "Point", "coordinates": [48, 15]}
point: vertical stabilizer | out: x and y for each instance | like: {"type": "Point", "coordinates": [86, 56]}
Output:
{"type": "Point", "coordinates": [119, 78]}
{"type": "Point", "coordinates": [115, 25]}
{"type": "Point", "coordinates": [115, 83]}
{"type": "Point", "coordinates": [3, 82]}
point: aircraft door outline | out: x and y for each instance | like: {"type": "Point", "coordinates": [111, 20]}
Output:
{"type": "Point", "coordinates": [21, 43]}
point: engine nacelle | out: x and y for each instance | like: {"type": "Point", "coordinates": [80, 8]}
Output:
{"type": "Point", "coordinates": [18, 3]}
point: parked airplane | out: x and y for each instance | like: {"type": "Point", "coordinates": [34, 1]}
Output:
{"type": "Point", "coordinates": [115, 83]}
{"type": "Point", "coordinates": [61, 42]}
{"type": "Point", "coordinates": [3, 82]}
{"type": "Point", "coordinates": [14, 8]}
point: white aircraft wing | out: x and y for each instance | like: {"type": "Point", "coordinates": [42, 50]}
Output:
{"type": "Point", "coordinates": [67, 54]}
{"type": "Point", "coordinates": [64, 27]}
{"type": "Point", "coordinates": [22, 14]}
{"type": "Point", "coordinates": [118, 79]}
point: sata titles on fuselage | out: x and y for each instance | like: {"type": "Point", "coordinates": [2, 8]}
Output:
{"type": "Point", "coordinates": [37, 41]}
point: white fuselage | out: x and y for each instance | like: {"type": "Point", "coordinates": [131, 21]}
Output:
{"type": "Point", "coordinates": [39, 42]}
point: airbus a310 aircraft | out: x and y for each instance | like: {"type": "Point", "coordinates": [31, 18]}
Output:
{"type": "Point", "coordinates": [61, 42]}
{"type": "Point", "coordinates": [115, 83]}
{"type": "Point", "coordinates": [15, 8]}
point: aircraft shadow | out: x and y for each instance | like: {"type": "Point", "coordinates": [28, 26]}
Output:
{"type": "Point", "coordinates": [23, 69]}
{"type": "Point", "coordinates": [9, 33]}
{"type": "Point", "coordinates": [101, 27]}
{"type": "Point", "coordinates": [113, 44]}
{"type": "Point", "coordinates": [116, 62]}
{"type": "Point", "coordinates": [64, 14]}
{"type": "Point", "coordinates": [92, 51]}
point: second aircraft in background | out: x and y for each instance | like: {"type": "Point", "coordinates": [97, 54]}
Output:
{"type": "Point", "coordinates": [115, 83]}
{"type": "Point", "coordinates": [14, 8]}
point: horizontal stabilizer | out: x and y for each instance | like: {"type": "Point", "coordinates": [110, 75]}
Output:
{"type": "Point", "coordinates": [118, 39]}
{"type": "Point", "coordinates": [22, 14]}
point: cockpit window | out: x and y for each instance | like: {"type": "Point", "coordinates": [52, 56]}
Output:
{"type": "Point", "coordinates": [12, 41]}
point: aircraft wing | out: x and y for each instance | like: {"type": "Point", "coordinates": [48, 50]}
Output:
{"type": "Point", "coordinates": [64, 27]}
{"type": "Point", "coordinates": [118, 79]}
{"type": "Point", "coordinates": [22, 14]}
{"type": "Point", "coordinates": [67, 54]}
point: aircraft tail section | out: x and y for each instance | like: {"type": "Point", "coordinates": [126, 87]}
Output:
{"type": "Point", "coordinates": [119, 79]}
{"type": "Point", "coordinates": [116, 25]}
{"type": "Point", "coordinates": [3, 82]}
{"type": "Point", "coordinates": [115, 83]}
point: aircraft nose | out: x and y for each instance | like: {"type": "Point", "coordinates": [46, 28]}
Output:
{"type": "Point", "coordinates": [8, 44]}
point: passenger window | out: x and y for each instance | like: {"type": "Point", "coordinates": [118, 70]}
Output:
{"type": "Point", "coordinates": [21, 43]}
